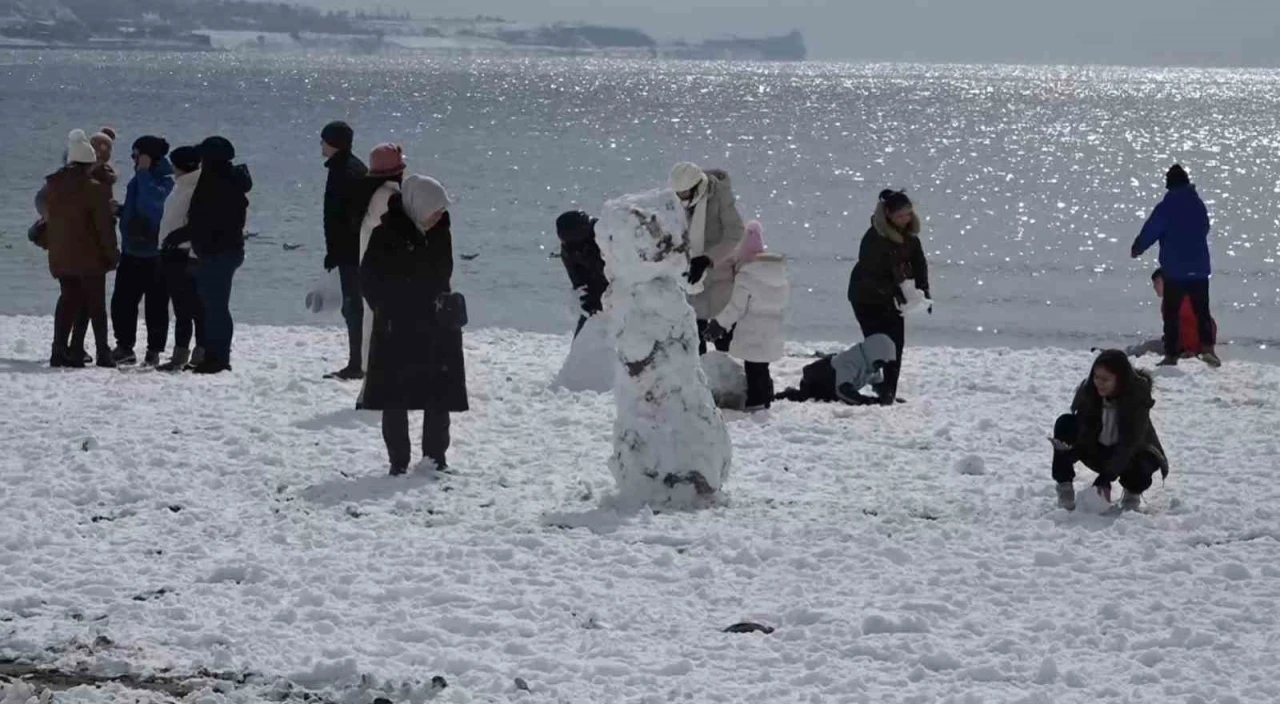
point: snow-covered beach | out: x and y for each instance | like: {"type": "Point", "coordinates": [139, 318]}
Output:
{"type": "Point", "coordinates": [244, 524]}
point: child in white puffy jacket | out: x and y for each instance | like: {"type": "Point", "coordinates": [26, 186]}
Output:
{"type": "Point", "coordinates": [755, 314]}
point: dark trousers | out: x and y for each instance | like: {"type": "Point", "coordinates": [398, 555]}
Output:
{"type": "Point", "coordinates": [188, 314]}
{"type": "Point", "coordinates": [81, 297]}
{"type": "Point", "coordinates": [435, 436]}
{"type": "Point", "coordinates": [213, 284]}
{"type": "Point", "coordinates": [138, 278]}
{"type": "Point", "coordinates": [877, 320]}
{"type": "Point", "coordinates": [352, 312]}
{"type": "Point", "coordinates": [1171, 308]}
{"type": "Point", "coordinates": [759, 385]}
{"type": "Point", "coordinates": [1136, 478]}
{"type": "Point", "coordinates": [722, 344]}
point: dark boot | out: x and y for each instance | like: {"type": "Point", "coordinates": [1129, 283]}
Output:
{"type": "Point", "coordinates": [104, 358]}
{"type": "Point", "coordinates": [62, 358]}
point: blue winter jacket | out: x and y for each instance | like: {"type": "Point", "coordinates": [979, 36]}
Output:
{"type": "Point", "coordinates": [143, 208]}
{"type": "Point", "coordinates": [1180, 223]}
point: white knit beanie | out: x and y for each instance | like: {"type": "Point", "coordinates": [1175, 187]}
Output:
{"type": "Point", "coordinates": [422, 196]}
{"type": "Point", "coordinates": [79, 150]}
{"type": "Point", "coordinates": [685, 176]}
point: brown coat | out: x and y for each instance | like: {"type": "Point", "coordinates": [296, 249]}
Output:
{"type": "Point", "coordinates": [80, 230]}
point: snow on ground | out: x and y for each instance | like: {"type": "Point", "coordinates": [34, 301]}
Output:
{"type": "Point", "coordinates": [243, 524]}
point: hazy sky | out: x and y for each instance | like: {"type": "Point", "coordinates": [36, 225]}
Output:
{"type": "Point", "coordinates": [1226, 32]}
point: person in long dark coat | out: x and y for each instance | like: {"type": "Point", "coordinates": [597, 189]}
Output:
{"type": "Point", "coordinates": [415, 352]}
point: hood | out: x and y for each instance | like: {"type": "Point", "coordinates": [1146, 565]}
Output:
{"type": "Point", "coordinates": [768, 269]}
{"type": "Point", "coordinates": [878, 348]}
{"type": "Point", "coordinates": [188, 180]}
{"type": "Point", "coordinates": [880, 221]}
{"type": "Point", "coordinates": [240, 174]}
{"type": "Point", "coordinates": [161, 167]}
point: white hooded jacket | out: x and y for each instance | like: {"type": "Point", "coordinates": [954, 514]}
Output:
{"type": "Point", "coordinates": [177, 204]}
{"type": "Point", "coordinates": [758, 308]}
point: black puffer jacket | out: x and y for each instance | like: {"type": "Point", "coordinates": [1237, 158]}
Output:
{"type": "Point", "coordinates": [218, 212]}
{"type": "Point", "coordinates": [343, 209]}
{"type": "Point", "coordinates": [1137, 434]}
{"type": "Point", "coordinates": [582, 259]}
{"type": "Point", "coordinates": [886, 258]}
{"type": "Point", "coordinates": [415, 363]}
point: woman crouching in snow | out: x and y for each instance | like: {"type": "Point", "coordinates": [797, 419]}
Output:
{"type": "Point", "coordinates": [415, 352]}
{"type": "Point", "coordinates": [1109, 430]}
{"type": "Point", "coordinates": [755, 313]}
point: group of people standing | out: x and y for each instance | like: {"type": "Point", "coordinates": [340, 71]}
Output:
{"type": "Point", "coordinates": [181, 240]}
{"type": "Point", "coordinates": [390, 238]}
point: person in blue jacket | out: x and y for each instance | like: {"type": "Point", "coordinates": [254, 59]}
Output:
{"type": "Point", "coordinates": [1180, 223]}
{"type": "Point", "coordinates": [141, 274]}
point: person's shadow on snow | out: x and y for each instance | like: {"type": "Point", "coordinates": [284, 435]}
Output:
{"type": "Point", "coordinates": [370, 488]}
{"type": "Point", "coordinates": [26, 366]}
{"type": "Point", "coordinates": [348, 418]}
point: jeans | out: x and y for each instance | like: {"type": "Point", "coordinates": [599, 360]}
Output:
{"type": "Point", "coordinates": [877, 320]}
{"type": "Point", "coordinates": [353, 313]}
{"type": "Point", "coordinates": [213, 283]}
{"type": "Point", "coordinates": [188, 315]}
{"type": "Point", "coordinates": [82, 297]}
{"type": "Point", "coordinates": [138, 278]}
{"type": "Point", "coordinates": [1136, 478]}
{"type": "Point", "coordinates": [435, 436]}
{"type": "Point", "coordinates": [1171, 309]}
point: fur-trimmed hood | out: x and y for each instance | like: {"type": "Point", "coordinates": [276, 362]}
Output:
{"type": "Point", "coordinates": [880, 221]}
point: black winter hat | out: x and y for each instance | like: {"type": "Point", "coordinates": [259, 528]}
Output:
{"type": "Point", "coordinates": [216, 149]}
{"type": "Point", "coordinates": [185, 159]}
{"type": "Point", "coordinates": [152, 146]}
{"type": "Point", "coordinates": [338, 135]}
{"type": "Point", "coordinates": [894, 200]}
{"type": "Point", "coordinates": [1176, 177]}
{"type": "Point", "coordinates": [575, 225]}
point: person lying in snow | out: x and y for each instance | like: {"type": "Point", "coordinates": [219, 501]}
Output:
{"type": "Point", "coordinates": [1189, 341]}
{"type": "Point", "coordinates": [754, 314]}
{"type": "Point", "coordinates": [841, 377]}
{"type": "Point", "coordinates": [1109, 430]}
{"type": "Point", "coordinates": [583, 262]}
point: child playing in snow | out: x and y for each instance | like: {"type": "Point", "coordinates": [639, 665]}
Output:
{"type": "Point", "coordinates": [1189, 342]}
{"type": "Point", "coordinates": [1109, 430]}
{"type": "Point", "coordinates": [754, 314]}
{"type": "Point", "coordinates": [841, 377]}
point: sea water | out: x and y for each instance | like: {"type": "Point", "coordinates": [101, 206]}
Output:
{"type": "Point", "coordinates": [1032, 181]}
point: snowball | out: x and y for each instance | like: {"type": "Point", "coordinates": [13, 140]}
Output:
{"type": "Point", "coordinates": [727, 378]}
{"type": "Point", "coordinates": [971, 465]}
{"type": "Point", "coordinates": [1088, 500]}
{"type": "Point", "coordinates": [592, 362]}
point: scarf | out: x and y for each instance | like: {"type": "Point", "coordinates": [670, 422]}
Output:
{"type": "Point", "coordinates": [698, 219]}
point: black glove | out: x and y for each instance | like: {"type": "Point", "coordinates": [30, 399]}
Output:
{"type": "Point", "coordinates": [329, 264]}
{"type": "Point", "coordinates": [714, 331]}
{"type": "Point", "coordinates": [697, 267]}
{"type": "Point", "coordinates": [928, 297]}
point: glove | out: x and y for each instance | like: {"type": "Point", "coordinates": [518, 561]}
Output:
{"type": "Point", "coordinates": [714, 331]}
{"type": "Point", "coordinates": [929, 298]}
{"type": "Point", "coordinates": [697, 267]}
{"type": "Point", "coordinates": [329, 264]}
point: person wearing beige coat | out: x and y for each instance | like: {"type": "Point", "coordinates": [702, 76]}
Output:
{"type": "Point", "coordinates": [715, 231]}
